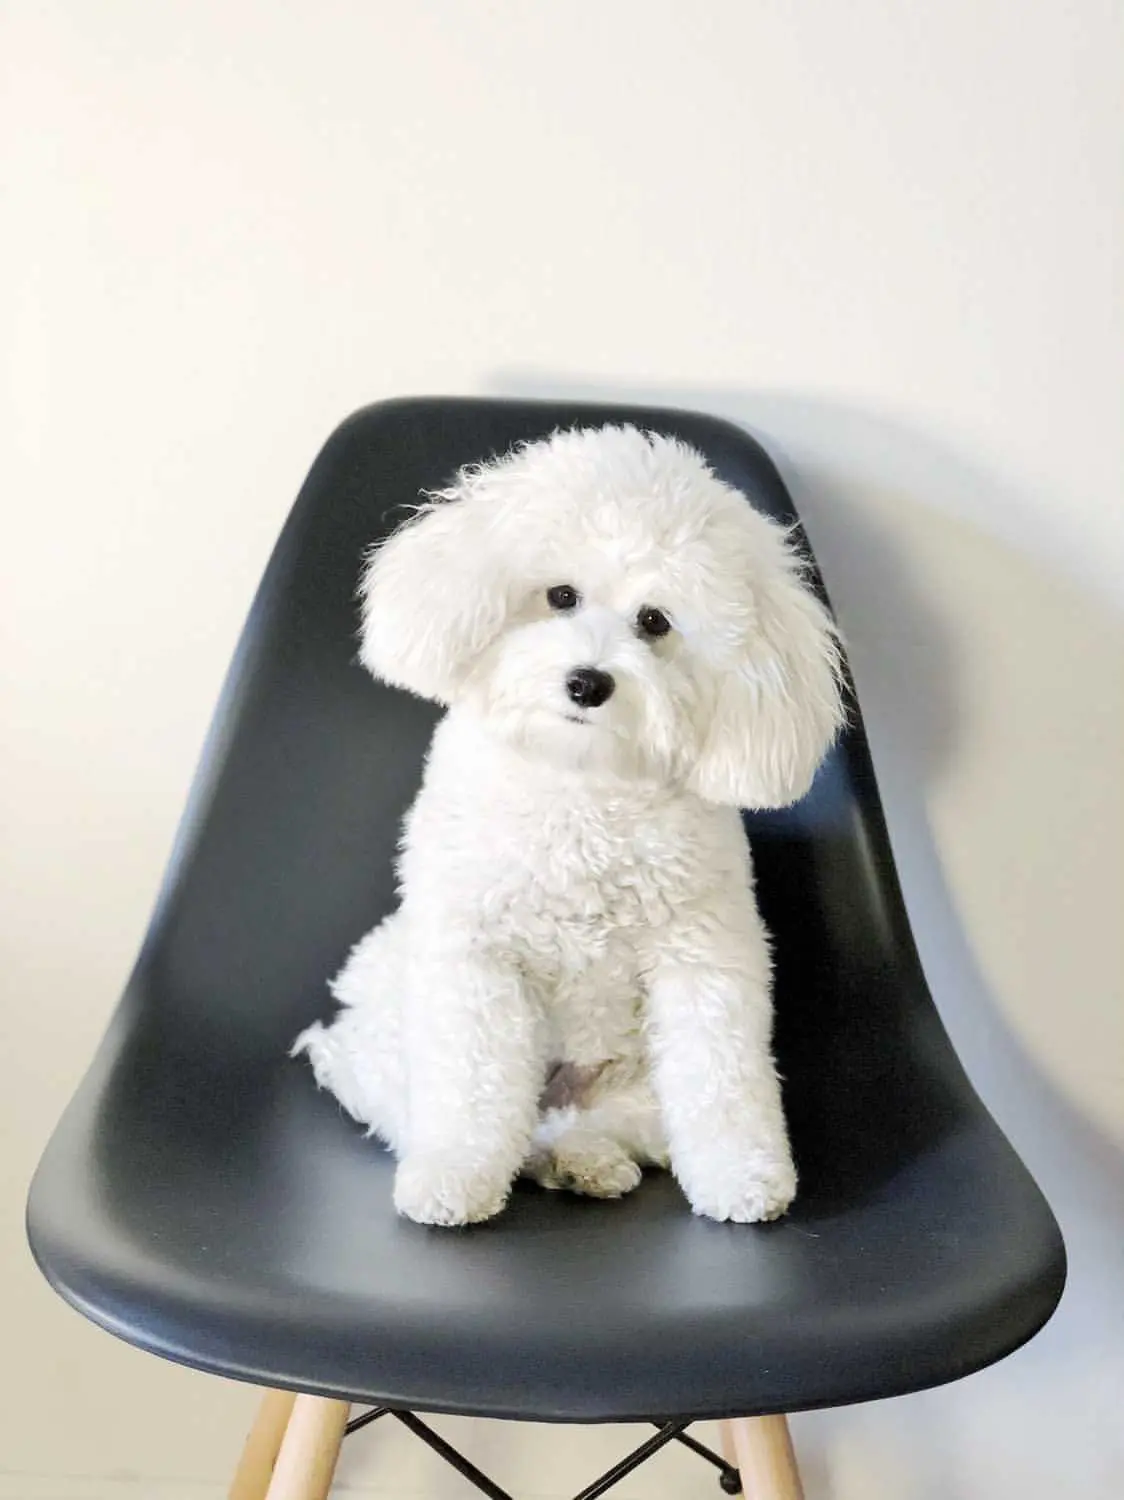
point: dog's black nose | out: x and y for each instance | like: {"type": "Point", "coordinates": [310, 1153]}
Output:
{"type": "Point", "coordinates": [589, 687]}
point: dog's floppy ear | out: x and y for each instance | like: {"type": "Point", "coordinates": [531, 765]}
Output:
{"type": "Point", "coordinates": [434, 595]}
{"type": "Point", "coordinates": [778, 708]}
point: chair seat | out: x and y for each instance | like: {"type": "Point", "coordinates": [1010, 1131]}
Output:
{"type": "Point", "coordinates": [200, 1199]}
{"type": "Point", "coordinates": [242, 1225]}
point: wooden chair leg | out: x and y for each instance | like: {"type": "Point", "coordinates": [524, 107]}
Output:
{"type": "Point", "coordinates": [762, 1449]}
{"type": "Point", "coordinates": [311, 1446]}
{"type": "Point", "coordinates": [251, 1479]}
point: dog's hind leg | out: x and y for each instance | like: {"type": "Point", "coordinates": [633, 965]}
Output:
{"type": "Point", "coordinates": [627, 1110]}
{"type": "Point", "coordinates": [568, 1155]}
{"type": "Point", "coordinates": [596, 1137]}
{"type": "Point", "coordinates": [358, 1055]}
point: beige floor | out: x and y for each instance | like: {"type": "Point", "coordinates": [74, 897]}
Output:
{"type": "Point", "coordinates": [85, 1417]}
{"type": "Point", "coordinates": [387, 1461]}
{"type": "Point", "coordinates": [140, 1427]}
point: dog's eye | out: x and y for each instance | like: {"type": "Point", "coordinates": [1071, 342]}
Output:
{"type": "Point", "coordinates": [652, 622]}
{"type": "Point", "coordinates": [562, 596]}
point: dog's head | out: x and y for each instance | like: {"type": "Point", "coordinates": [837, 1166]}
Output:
{"type": "Point", "coordinates": [604, 601]}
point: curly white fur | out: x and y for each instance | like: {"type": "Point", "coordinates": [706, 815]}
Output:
{"type": "Point", "coordinates": [576, 883]}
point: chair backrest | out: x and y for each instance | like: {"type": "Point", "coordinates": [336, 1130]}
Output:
{"type": "Point", "coordinates": [285, 854]}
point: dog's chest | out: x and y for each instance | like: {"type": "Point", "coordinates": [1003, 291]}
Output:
{"type": "Point", "coordinates": [583, 918]}
{"type": "Point", "coordinates": [591, 884]}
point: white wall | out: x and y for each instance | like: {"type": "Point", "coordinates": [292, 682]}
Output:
{"type": "Point", "coordinates": [886, 236]}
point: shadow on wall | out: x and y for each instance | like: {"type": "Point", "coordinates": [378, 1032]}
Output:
{"type": "Point", "coordinates": [914, 582]}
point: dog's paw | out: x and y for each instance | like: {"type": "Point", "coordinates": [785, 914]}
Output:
{"type": "Point", "coordinates": [751, 1192]}
{"type": "Point", "coordinates": [440, 1187]}
{"type": "Point", "coordinates": [597, 1168]}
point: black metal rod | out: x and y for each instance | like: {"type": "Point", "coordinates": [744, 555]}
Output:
{"type": "Point", "coordinates": [701, 1449]}
{"type": "Point", "coordinates": [666, 1434]}
{"type": "Point", "coordinates": [451, 1456]}
{"type": "Point", "coordinates": [365, 1419]}
{"type": "Point", "coordinates": [729, 1473]}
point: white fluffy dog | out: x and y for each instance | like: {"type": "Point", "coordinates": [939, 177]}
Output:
{"type": "Point", "coordinates": [577, 982]}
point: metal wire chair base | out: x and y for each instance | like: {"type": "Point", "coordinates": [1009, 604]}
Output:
{"type": "Point", "coordinates": [667, 1432]}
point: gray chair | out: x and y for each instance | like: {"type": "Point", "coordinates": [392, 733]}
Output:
{"type": "Point", "coordinates": [201, 1200]}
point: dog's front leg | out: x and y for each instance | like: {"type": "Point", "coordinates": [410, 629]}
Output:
{"type": "Point", "coordinates": [473, 1077]}
{"type": "Point", "coordinates": [710, 1027]}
